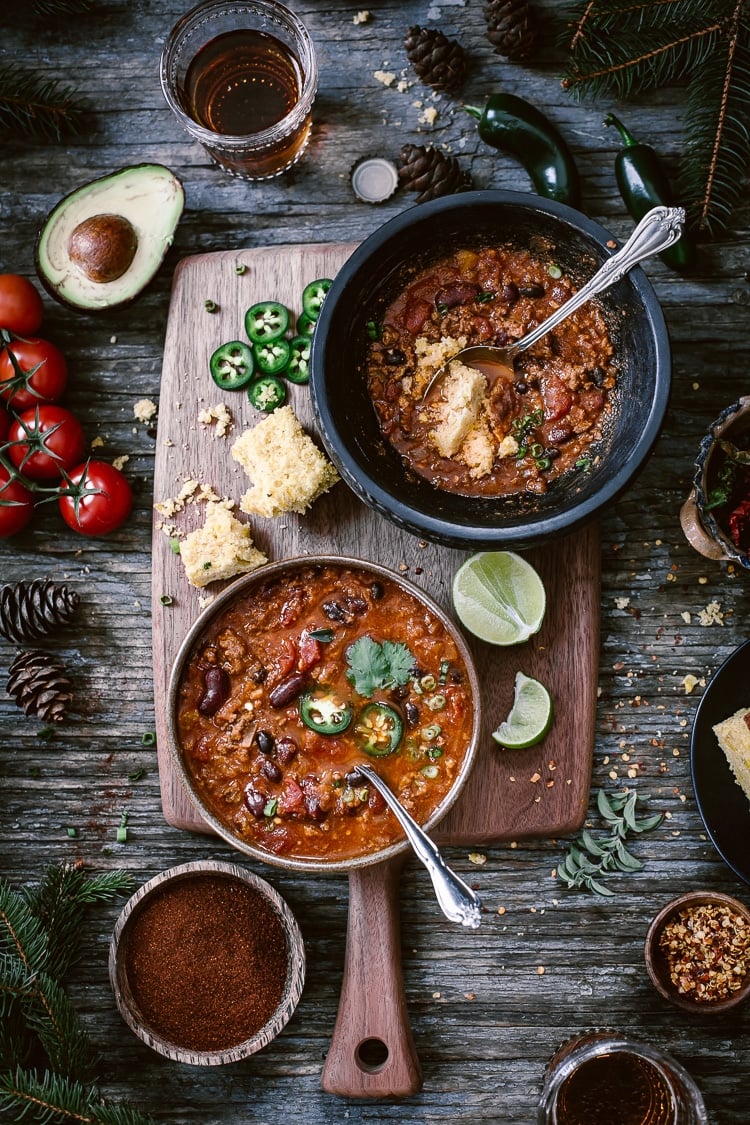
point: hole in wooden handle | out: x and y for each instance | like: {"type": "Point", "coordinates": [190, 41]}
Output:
{"type": "Point", "coordinates": [372, 1055]}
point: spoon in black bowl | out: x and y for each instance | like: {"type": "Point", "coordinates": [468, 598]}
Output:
{"type": "Point", "coordinates": [658, 229]}
{"type": "Point", "coordinates": [458, 902]}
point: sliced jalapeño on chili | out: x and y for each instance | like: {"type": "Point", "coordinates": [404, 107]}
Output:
{"type": "Point", "coordinates": [323, 711]}
{"type": "Point", "coordinates": [313, 296]}
{"type": "Point", "coordinates": [272, 357]}
{"type": "Point", "coordinates": [232, 366]}
{"type": "Point", "coordinates": [266, 320]}
{"type": "Point", "coordinates": [298, 367]}
{"type": "Point", "coordinates": [267, 393]}
{"type": "Point", "coordinates": [379, 729]}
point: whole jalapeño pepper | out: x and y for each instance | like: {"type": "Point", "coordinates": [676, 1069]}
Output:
{"type": "Point", "coordinates": [643, 184]}
{"type": "Point", "coordinates": [514, 125]}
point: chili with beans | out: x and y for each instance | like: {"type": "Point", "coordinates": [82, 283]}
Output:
{"type": "Point", "coordinates": [308, 675]}
{"type": "Point", "coordinates": [520, 433]}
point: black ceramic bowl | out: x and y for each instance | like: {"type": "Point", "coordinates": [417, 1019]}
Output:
{"type": "Point", "coordinates": [370, 279]}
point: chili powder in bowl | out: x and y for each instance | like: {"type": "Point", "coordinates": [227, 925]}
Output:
{"type": "Point", "coordinates": [698, 952]}
{"type": "Point", "coordinates": [207, 963]}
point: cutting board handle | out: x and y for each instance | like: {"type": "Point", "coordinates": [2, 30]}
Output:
{"type": "Point", "coordinates": [372, 1051]}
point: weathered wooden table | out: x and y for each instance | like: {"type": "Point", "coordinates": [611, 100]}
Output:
{"type": "Point", "coordinates": [488, 1008]}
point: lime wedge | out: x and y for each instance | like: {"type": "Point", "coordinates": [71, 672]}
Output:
{"type": "Point", "coordinates": [499, 597]}
{"type": "Point", "coordinates": [530, 716]}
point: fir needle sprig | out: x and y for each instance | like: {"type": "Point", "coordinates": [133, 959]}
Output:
{"type": "Point", "coordinates": [591, 859]}
{"type": "Point", "coordinates": [34, 107]}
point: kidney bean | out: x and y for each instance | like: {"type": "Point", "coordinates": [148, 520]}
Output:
{"type": "Point", "coordinates": [216, 692]}
{"type": "Point", "coordinates": [270, 770]}
{"type": "Point", "coordinates": [354, 779]}
{"type": "Point", "coordinates": [460, 293]}
{"type": "Point", "coordinates": [255, 801]}
{"type": "Point", "coordinates": [510, 292]}
{"type": "Point", "coordinates": [286, 748]}
{"type": "Point", "coordinates": [355, 605]}
{"type": "Point", "coordinates": [334, 611]}
{"type": "Point", "coordinates": [287, 690]}
{"type": "Point", "coordinates": [265, 741]}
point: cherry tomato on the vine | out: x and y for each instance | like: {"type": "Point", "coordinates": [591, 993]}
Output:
{"type": "Point", "coordinates": [49, 439]}
{"type": "Point", "coordinates": [21, 308]}
{"type": "Point", "coordinates": [16, 504]}
{"type": "Point", "coordinates": [45, 369]}
{"type": "Point", "coordinates": [4, 424]}
{"type": "Point", "coordinates": [97, 500]}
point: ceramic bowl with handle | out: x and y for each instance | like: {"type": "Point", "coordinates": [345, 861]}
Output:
{"type": "Point", "coordinates": [381, 267]}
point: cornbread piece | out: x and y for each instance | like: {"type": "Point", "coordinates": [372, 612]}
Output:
{"type": "Point", "coordinates": [464, 392]}
{"type": "Point", "coordinates": [734, 739]}
{"type": "Point", "coordinates": [220, 549]}
{"type": "Point", "coordinates": [288, 470]}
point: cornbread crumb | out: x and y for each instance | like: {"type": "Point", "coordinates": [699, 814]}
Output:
{"type": "Point", "coordinates": [428, 116]}
{"type": "Point", "coordinates": [288, 470]}
{"type": "Point", "coordinates": [733, 735]}
{"type": "Point", "coordinates": [219, 414]}
{"type": "Point", "coordinates": [97, 442]}
{"type": "Point", "coordinates": [220, 549]}
{"type": "Point", "coordinates": [387, 77]}
{"type": "Point", "coordinates": [711, 615]}
{"type": "Point", "coordinates": [120, 462]}
{"type": "Point", "coordinates": [362, 17]}
{"type": "Point", "coordinates": [144, 409]}
{"type": "Point", "coordinates": [463, 393]}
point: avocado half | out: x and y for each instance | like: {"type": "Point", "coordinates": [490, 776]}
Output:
{"type": "Point", "coordinates": [101, 245]}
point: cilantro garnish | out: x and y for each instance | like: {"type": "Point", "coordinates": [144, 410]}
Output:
{"type": "Point", "coordinates": [374, 666]}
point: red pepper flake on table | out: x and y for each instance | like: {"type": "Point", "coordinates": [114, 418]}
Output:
{"type": "Point", "coordinates": [707, 949]}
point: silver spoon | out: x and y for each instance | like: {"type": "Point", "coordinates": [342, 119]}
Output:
{"type": "Point", "coordinates": [458, 901]}
{"type": "Point", "coordinates": [657, 230]}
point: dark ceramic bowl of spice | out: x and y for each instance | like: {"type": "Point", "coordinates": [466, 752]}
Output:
{"type": "Point", "coordinates": [698, 952]}
{"type": "Point", "coordinates": [716, 515]}
{"type": "Point", "coordinates": [508, 464]}
{"type": "Point", "coordinates": [207, 963]}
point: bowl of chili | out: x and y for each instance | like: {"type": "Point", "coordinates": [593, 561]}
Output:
{"type": "Point", "coordinates": [207, 963]}
{"type": "Point", "coordinates": [294, 676]}
{"type": "Point", "coordinates": [550, 449]}
{"type": "Point", "coordinates": [697, 952]}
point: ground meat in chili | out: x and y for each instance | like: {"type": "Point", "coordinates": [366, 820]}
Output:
{"type": "Point", "coordinates": [526, 431]}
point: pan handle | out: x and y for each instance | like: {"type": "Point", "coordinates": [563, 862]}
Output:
{"type": "Point", "coordinates": [372, 1051]}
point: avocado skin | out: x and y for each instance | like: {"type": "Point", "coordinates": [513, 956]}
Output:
{"type": "Point", "coordinates": [168, 198]}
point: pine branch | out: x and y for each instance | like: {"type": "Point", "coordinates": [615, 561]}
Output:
{"type": "Point", "coordinates": [51, 1016]}
{"type": "Point", "coordinates": [37, 107]}
{"type": "Point", "coordinates": [52, 8]}
{"type": "Point", "coordinates": [21, 933]}
{"type": "Point", "coordinates": [54, 1100]}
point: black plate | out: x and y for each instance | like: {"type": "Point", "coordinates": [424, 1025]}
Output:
{"type": "Point", "coordinates": [723, 806]}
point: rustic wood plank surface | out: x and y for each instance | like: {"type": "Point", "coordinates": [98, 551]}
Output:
{"type": "Point", "coordinates": [484, 1017]}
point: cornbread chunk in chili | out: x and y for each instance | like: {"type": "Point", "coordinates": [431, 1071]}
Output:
{"type": "Point", "coordinates": [298, 681]}
{"type": "Point", "coordinates": [707, 949]}
{"type": "Point", "coordinates": [222, 548]}
{"type": "Point", "coordinates": [288, 470]}
{"type": "Point", "coordinates": [514, 434]}
{"type": "Point", "coordinates": [733, 735]}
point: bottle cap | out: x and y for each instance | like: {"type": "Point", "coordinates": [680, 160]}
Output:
{"type": "Point", "coordinates": [374, 179]}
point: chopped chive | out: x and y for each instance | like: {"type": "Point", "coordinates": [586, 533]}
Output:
{"type": "Point", "coordinates": [136, 775]}
{"type": "Point", "coordinates": [430, 771]}
{"type": "Point", "coordinates": [240, 268]}
{"type": "Point", "coordinates": [72, 832]}
{"type": "Point", "coordinates": [122, 831]}
{"type": "Point", "coordinates": [45, 733]}
{"type": "Point", "coordinates": [441, 309]}
{"type": "Point", "coordinates": [148, 738]}
{"type": "Point", "coordinates": [166, 599]}
{"type": "Point", "coordinates": [210, 306]}
{"type": "Point", "coordinates": [444, 669]}
{"type": "Point", "coordinates": [174, 545]}
{"type": "Point", "coordinates": [434, 752]}
{"type": "Point", "coordinates": [436, 702]}
{"type": "Point", "coordinates": [271, 807]}
{"type": "Point", "coordinates": [485, 296]}
{"type": "Point", "coordinates": [431, 732]}
{"type": "Point", "coordinates": [554, 271]}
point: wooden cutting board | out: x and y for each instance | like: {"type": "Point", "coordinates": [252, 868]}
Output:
{"type": "Point", "coordinates": [510, 795]}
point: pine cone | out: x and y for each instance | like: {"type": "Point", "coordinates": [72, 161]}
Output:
{"type": "Point", "coordinates": [431, 173]}
{"type": "Point", "coordinates": [38, 683]}
{"type": "Point", "coordinates": [439, 62]}
{"type": "Point", "coordinates": [512, 27]}
{"type": "Point", "coordinates": [30, 610]}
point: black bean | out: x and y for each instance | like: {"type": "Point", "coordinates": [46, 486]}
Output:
{"type": "Point", "coordinates": [287, 690]}
{"type": "Point", "coordinates": [395, 357]}
{"type": "Point", "coordinates": [510, 292]}
{"type": "Point", "coordinates": [377, 591]}
{"type": "Point", "coordinates": [598, 376]}
{"type": "Point", "coordinates": [334, 611]}
{"type": "Point", "coordinates": [286, 748]}
{"type": "Point", "coordinates": [520, 387]}
{"type": "Point", "coordinates": [554, 344]}
{"type": "Point", "coordinates": [412, 714]}
{"type": "Point", "coordinates": [270, 770]}
{"type": "Point", "coordinates": [355, 605]}
{"type": "Point", "coordinates": [259, 674]}
{"type": "Point", "coordinates": [216, 691]}
{"type": "Point", "coordinates": [314, 807]}
{"type": "Point", "coordinates": [534, 290]}
{"type": "Point", "coordinates": [255, 801]}
{"type": "Point", "coordinates": [355, 779]}
{"type": "Point", "coordinates": [400, 691]}
{"type": "Point", "coordinates": [265, 741]}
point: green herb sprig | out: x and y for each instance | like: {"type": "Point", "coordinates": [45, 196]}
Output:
{"type": "Point", "coordinates": [590, 858]}
{"type": "Point", "coordinates": [374, 666]}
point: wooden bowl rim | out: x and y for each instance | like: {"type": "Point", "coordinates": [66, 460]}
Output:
{"type": "Point", "coordinates": [655, 961]}
{"type": "Point", "coordinates": [296, 963]}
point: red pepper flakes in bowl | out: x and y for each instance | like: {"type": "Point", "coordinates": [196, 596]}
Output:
{"type": "Point", "coordinates": [698, 951]}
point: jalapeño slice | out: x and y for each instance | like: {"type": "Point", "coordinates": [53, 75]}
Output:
{"type": "Point", "coordinates": [272, 357]}
{"type": "Point", "coordinates": [267, 393]}
{"type": "Point", "coordinates": [313, 296]}
{"type": "Point", "coordinates": [305, 325]}
{"type": "Point", "coordinates": [323, 712]}
{"type": "Point", "coordinates": [232, 366]}
{"type": "Point", "coordinates": [298, 367]}
{"type": "Point", "coordinates": [267, 320]}
{"type": "Point", "coordinates": [379, 729]}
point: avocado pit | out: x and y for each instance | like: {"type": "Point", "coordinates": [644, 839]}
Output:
{"type": "Point", "coordinates": [103, 247]}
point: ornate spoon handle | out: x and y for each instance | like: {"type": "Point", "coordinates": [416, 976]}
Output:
{"type": "Point", "coordinates": [458, 901]}
{"type": "Point", "coordinates": [658, 229]}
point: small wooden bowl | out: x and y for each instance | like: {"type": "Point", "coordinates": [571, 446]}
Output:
{"type": "Point", "coordinates": [127, 1003]}
{"type": "Point", "coordinates": [658, 967]}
